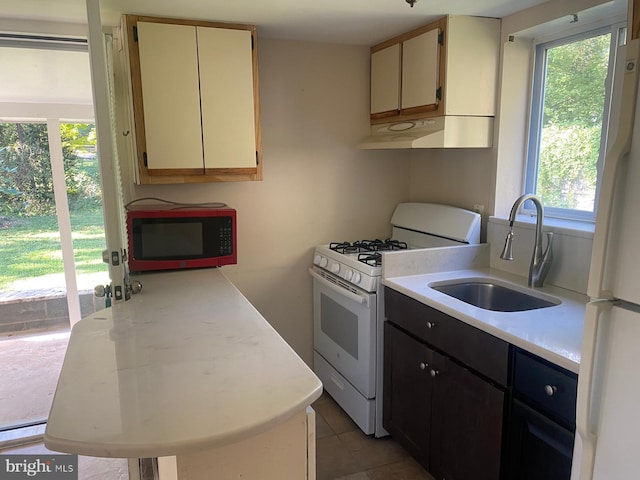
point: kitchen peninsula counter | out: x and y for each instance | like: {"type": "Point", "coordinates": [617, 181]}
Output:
{"type": "Point", "coordinates": [186, 365]}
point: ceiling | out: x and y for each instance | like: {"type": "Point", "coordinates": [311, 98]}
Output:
{"type": "Point", "coordinates": [358, 22]}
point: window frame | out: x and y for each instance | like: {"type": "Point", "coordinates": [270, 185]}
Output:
{"type": "Point", "coordinates": [540, 47]}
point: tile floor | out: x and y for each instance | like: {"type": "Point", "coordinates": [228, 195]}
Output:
{"type": "Point", "coordinates": [343, 452]}
{"type": "Point", "coordinates": [30, 368]}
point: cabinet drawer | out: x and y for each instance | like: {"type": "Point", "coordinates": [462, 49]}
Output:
{"type": "Point", "coordinates": [482, 352]}
{"type": "Point", "coordinates": [410, 315]}
{"type": "Point", "coordinates": [550, 388]}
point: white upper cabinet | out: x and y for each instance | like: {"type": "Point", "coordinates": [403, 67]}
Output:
{"type": "Point", "coordinates": [472, 47]}
{"type": "Point", "coordinates": [420, 70]}
{"type": "Point", "coordinates": [196, 102]}
{"type": "Point", "coordinates": [169, 76]}
{"type": "Point", "coordinates": [385, 79]}
{"type": "Point", "coordinates": [229, 138]}
{"type": "Point", "coordinates": [448, 67]}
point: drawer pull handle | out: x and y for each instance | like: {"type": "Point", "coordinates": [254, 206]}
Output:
{"type": "Point", "coordinates": [434, 372]}
{"type": "Point", "coordinates": [431, 324]}
{"type": "Point", "coordinates": [338, 383]}
{"type": "Point", "coordinates": [423, 365]}
{"type": "Point", "coordinates": [550, 389]}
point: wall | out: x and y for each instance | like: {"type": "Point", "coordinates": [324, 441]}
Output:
{"type": "Point", "coordinates": [458, 177]}
{"type": "Point", "coordinates": [317, 186]}
{"type": "Point", "coordinates": [571, 251]}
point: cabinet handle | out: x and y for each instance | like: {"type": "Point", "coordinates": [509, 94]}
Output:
{"type": "Point", "coordinates": [431, 324]}
{"type": "Point", "coordinates": [434, 372]}
{"type": "Point", "coordinates": [423, 365]}
{"type": "Point", "coordinates": [338, 383]}
{"type": "Point", "coordinates": [550, 389]}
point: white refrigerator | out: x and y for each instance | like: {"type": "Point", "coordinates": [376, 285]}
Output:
{"type": "Point", "coordinates": [607, 445]}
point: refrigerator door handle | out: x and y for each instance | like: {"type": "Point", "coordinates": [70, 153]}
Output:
{"type": "Point", "coordinates": [589, 389]}
{"type": "Point", "coordinates": [614, 156]}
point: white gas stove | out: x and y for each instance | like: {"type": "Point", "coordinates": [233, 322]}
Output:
{"type": "Point", "coordinates": [348, 303]}
{"type": "Point", "coordinates": [358, 263]}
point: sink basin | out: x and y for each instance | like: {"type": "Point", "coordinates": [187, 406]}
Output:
{"type": "Point", "coordinates": [492, 296]}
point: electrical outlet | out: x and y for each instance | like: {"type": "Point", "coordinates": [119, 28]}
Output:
{"type": "Point", "coordinates": [478, 208]}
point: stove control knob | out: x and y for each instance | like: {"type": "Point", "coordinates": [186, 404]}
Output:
{"type": "Point", "coordinates": [323, 262]}
{"type": "Point", "coordinates": [316, 259]}
{"type": "Point", "coordinates": [335, 268]}
{"type": "Point", "coordinates": [356, 277]}
{"type": "Point", "coordinates": [348, 275]}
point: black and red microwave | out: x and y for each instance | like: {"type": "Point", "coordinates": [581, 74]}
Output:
{"type": "Point", "coordinates": [178, 237]}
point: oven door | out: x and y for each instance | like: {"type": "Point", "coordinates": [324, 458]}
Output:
{"type": "Point", "coordinates": [344, 328]}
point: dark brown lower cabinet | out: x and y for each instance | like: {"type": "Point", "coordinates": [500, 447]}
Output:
{"type": "Point", "coordinates": [466, 424]}
{"type": "Point", "coordinates": [542, 421]}
{"type": "Point", "coordinates": [540, 449]}
{"type": "Point", "coordinates": [448, 417]}
{"type": "Point", "coordinates": [408, 388]}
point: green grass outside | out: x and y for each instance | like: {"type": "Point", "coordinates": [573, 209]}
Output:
{"type": "Point", "coordinates": [30, 247]}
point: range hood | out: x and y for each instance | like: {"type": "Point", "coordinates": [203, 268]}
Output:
{"type": "Point", "coordinates": [438, 132]}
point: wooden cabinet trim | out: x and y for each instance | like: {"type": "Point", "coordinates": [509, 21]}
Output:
{"type": "Point", "coordinates": [175, 171]}
{"type": "Point", "coordinates": [225, 171]}
{"type": "Point", "coordinates": [136, 88]}
{"type": "Point", "coordinates": [420, 111]}
{"type": "Point", "coordinates": [440, 23]}
{"type": "Point", "coordinates": [195, 23]}
{"type": "Point", "coordinates": [383, 116]}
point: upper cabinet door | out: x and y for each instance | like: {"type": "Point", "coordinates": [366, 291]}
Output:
{"type": "Point", "coordinates": [226, 89]}
{"type": "Point", "coordinates": [420, 70]}
{"type": "Point", "coordinates": [171, 102]}
{"type": "Point", "coordinates": [385, 80]}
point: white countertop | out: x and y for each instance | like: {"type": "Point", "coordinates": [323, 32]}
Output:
{"type": "Point", "coordinates": [188, 363]}
{"type": "Point", "coordinates": [553, 333]}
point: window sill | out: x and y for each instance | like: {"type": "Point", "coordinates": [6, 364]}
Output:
{"type": "Point", "coordinates": [575, 228]}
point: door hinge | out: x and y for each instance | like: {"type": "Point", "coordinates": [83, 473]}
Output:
{"type": "Point", "coordinates": [439, 93]}
{"type": "Point", "coordinates": [251, 42]}
{"type": "Point", "coordinates": [257, 158]}
{"type": "Point", "coordinates": [144, 159]}
{"type": "Point", "coordinates": [135, 33]}
{"type": "Point", "coordinates": [441, 38]}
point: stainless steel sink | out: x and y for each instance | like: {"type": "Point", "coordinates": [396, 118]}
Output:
{"type": "Point", "coordinates": [492, 296]}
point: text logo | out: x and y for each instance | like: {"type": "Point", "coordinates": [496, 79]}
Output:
{"type": "Point", "coordinates": [49, 467]}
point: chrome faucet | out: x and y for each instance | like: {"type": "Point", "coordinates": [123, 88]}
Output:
{"type": "Point", "coordinates": [540, 261]}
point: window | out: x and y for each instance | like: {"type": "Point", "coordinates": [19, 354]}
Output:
{"type": "Point", "coordinates": [569, 119]}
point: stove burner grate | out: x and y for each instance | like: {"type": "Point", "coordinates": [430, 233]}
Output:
{"type": "Point", "coordinates": [364, 246]}
{"type": "Point", "coordinates": [372, 259]}
{"type": "Point", "coordinates": [346, 247]}
{"type": "Point", "coordinates": [384, 245]}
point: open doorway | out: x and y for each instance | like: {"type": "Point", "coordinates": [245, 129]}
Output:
{"type": "Point", "coordinates": [34, 294]}
{"type": "Point", "coordinates": [51, 226]}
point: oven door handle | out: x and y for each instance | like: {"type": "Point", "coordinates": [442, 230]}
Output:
{"type": "Point", "coordinates": [342, 291]}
